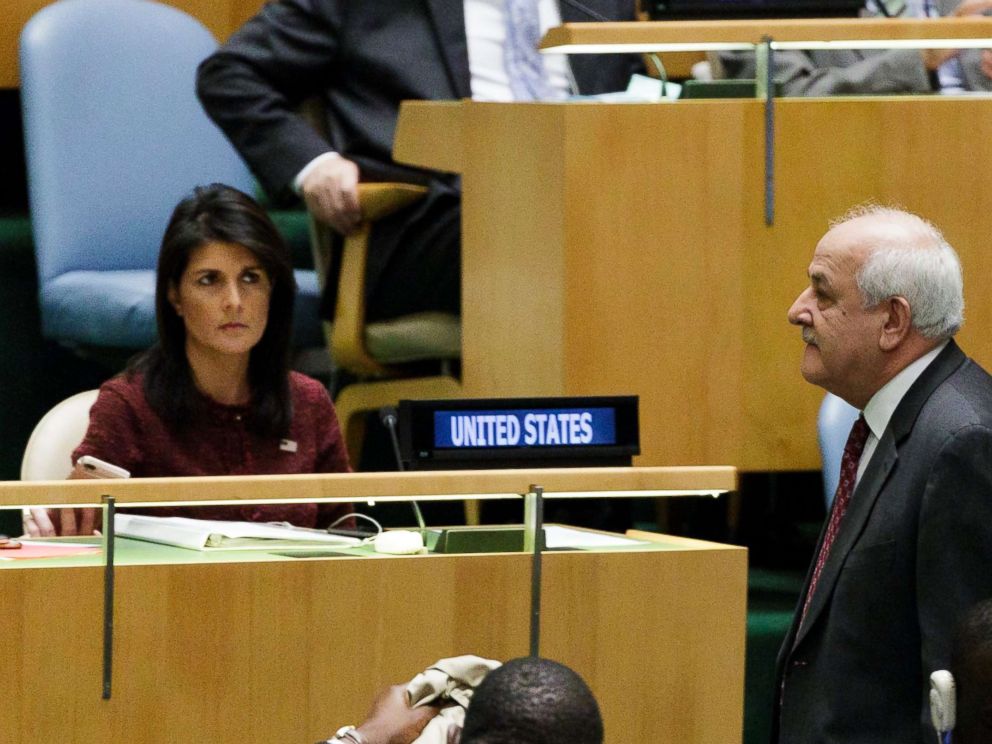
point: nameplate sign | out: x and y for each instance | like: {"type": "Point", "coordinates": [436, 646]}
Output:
{"type": "Point", "coordinates": [521, 431]}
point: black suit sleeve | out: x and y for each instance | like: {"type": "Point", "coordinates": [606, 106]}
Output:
{"type": "Point", "coordinates": [253, 85]}
{"type": "Point", "coordinates": [954, 556]}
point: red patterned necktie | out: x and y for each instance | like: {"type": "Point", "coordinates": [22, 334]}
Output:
{"type": "Point", "coordinates": [848, 476]}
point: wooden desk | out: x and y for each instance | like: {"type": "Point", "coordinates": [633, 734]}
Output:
{"type": "Point", "coordinates": [636, 36]}
{"type": "Point", "coordinates": [621, 249]}
{"type": "Point", "coordinates": [222, 17]}
{"type": "Point", "coordinates": [280, 651]}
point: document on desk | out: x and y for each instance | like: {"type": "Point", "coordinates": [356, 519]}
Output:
{"type": "Point", "coordinates": [43, 549]}
{"type": "Point", "coordinates": [558, 537]}
{"type": "Point", "coordinates": [211, 534]}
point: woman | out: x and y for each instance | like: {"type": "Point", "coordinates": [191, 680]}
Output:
{"type": "Point", "coordinates": [215, 395]}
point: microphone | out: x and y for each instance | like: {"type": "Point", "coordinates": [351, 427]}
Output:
{"type": "Point", "coordinates": [389, 417]}
{"type": "Point", "coordinates": [576, 5]}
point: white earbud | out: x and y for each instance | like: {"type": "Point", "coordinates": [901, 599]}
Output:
{"type": "Point", "coordinates": [942, 701]}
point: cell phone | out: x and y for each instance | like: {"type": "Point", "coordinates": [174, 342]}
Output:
{"type": "Point", "coordinates": [97, 468]}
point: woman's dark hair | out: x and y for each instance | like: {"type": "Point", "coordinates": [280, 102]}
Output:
{"type": "Point", "coordinates": [219, 213]}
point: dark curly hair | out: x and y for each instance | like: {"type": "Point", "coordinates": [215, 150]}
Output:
{"type": "Point", "coordinates": [533, 701]}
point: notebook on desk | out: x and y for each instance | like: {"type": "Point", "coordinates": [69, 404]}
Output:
{"type": "Point", "coordinates": [212, 534]}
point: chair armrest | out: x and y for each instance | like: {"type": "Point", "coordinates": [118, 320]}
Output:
{"type": "Point", "coordinates": [347, 334]}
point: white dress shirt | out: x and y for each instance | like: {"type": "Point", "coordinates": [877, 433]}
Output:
{"type": "Point", "coordinates": [883, 404]}
{"type": "Point", "coordinates": [485, 31]}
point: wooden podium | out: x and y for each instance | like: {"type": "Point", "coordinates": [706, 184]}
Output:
{"type": "Point", "coordinates": [255, 647]}
{"type": "Point", "coordinates": [622, 249]}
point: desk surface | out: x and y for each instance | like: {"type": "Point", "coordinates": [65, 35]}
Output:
{"type": "Point", "coordinates": [286, 651]}
{"type": "Point", "coordinates": [749, 32]}
{"type": "Point", "coordinates": [129, 552]}
{"type": "Point", "coordinates": [448, 484]}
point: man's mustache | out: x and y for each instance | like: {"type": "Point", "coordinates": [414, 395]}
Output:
{"type": "Point", "coordinates": [808, 336]}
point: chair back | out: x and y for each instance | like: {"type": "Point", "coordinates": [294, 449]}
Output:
{"type": "Point", "coordinates": [48, 453]}
{"type": "Point", "coordinates": [114, 138]}
{"type": "Point", "coordinates": [833, 425]}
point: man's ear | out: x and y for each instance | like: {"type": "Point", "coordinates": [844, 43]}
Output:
{"type": "Point", "coordinates": [173, 296]}
{"type": "Point", "coordinates": [898, 323]}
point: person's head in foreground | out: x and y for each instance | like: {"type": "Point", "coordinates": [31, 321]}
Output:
{"type": "Point", "coordinates": [885, 288]}
{"type": "Point", "coordinates": [532, 701]}
{"type": "Point", "coordinates": [224, 305]}
{"type": "Point", "coordinates": [971, 665]}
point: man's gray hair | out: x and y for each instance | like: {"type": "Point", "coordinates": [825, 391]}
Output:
{"type": "Point", "coordinates": [917, 263]}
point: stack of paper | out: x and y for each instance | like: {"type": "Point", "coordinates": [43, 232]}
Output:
{"type": "Point", "coordinates": [212, 534]}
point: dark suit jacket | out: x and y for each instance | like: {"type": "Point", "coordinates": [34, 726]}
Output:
{"type": "Point", "coordinates": [913, 554]}
{"type": "Point", "coordinates": [362, 57]}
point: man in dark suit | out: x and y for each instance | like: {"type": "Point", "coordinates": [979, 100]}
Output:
{"type": "Point", "coordinates": [362, 59]}
{"type": "Point", "coordinates": [907, 548]}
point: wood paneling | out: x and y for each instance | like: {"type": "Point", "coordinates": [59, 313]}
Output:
{"type": "Point", "coordinates": [359, 486]}
{"type": "Point", "coordinates": [621, 249]}
{"type": "Point", "coordinates": [281, 651]}
{"type": "Point", "coordinates": [222, 17]}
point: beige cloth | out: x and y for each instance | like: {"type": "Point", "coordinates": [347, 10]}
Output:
{"type": "Point", "coordinates": [449, 680]}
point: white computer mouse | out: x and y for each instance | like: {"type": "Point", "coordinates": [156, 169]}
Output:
{"type": "Point", "coordinates": [399, 542]}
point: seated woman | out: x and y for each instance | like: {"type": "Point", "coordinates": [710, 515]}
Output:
{"type": "Point", "coordinates": [215, 395]}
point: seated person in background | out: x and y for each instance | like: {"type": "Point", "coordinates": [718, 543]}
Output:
{"type": "Point", "coordinates": [819, 72]}
{"type": "Point", "coordinates": [529, 700]}
{"type": "Point", "coordinates": [361, 59]}
{"type": "Point", "coordinates": [215, 395]}
{"type": "Point", "coordinates": [971, 665]}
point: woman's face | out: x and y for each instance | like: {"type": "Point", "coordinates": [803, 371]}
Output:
{"type": "Point", "coordinates": [223, 299]}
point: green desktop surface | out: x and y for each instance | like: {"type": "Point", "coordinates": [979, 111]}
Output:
{"type": "Point", "coordinates": [129, 552]}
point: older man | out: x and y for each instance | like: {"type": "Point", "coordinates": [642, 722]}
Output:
{"type": "Point", "coordinates": [907, 548]}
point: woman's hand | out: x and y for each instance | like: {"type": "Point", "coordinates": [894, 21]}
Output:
{"type": "Point", "coordinates": [69, 521]}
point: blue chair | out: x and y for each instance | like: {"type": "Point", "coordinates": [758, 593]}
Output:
{"type": "Point", "coordinates": [833, 425]}
{"type": "Point", "coordinates": [114, 138]}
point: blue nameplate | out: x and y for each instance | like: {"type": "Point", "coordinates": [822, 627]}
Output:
{"type": "Point", "coordinates": [541, 427]}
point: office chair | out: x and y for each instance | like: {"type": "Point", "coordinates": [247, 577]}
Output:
{"type": "Point", "coordinates": [379, 354]}
{"type": "Point", "coordinates": [833, 425]}
{"type": "Point", "coordinates": [48, 453]}
{"type": "Point", "coordinates": [382, 357]}
{"type": "Point", "coordinates": [114, 138]}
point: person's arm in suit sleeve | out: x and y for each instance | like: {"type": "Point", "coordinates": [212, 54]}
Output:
{"type": "Point", "coordinates": [254, 84]}
{"type": "Point", "coordinates": [954, 549]}
{"type": "Point", "coordinates": [803, 74]}
{"type": "Point", "coordinates": [976, 65]}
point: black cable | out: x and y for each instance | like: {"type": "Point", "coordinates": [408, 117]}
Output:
{"type": "Point", "coordinates": [388, 417]}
